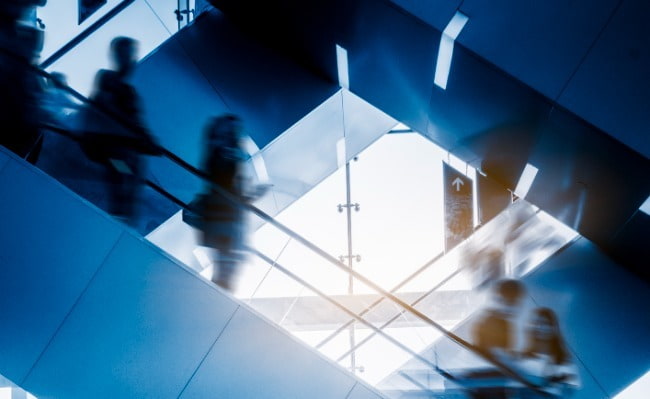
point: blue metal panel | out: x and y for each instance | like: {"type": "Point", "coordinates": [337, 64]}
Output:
{"type": "Point", "coordinates": [140, 330]}
{"type": "Point", "coordinates": [4, 157]}
{"type": "Point", "coordinates": [52, 244]}
{"type": "Point", "coordinates": [241, 365]}
{"type": "Point", "coordinates": [630, 246]}
{"type": "Point", "coordinates": [268, 91]}
{"type": "Point", "coordinates": [538, 42]}
{"type": "Point", "coordinates": [436, 13]}
{"type": "Point", "coordinates": [575, 184]}
{"type": "Point", "coordinates": [603, 311]}
{"type": "Point", "coordinates": [484, 114]}
{"type": "Point", "coordinates": [392, 62]}
{"type": "Point", "coordinates": [179, 100]}
{"type": "Point", "coordinates": [611, 88]}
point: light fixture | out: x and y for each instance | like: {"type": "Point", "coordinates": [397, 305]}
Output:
{"type": "Point", "coordinates": [446, 49]}
{"type": "Point", "coordinates": [525, 181]}
{"type": "Point", "coordinates": [342, 67]}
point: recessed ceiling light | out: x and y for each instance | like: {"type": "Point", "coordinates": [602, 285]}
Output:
{"type": "Point", "coordinates": [446, 49]}
{"type": "Point", "coordinates": [342, 67]}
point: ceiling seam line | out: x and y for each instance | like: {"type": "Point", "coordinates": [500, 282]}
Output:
{"type": "Point", "coordinates": [203, 74]}
{"type": "Point", "coordinates": [72, 308]}
{"type": "Point", "coordinates": [204, 357]}
{"type": "Point", "coordinates": [587, 52]}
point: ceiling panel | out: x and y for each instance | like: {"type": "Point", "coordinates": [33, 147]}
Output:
{"type": "Point", "coordinates": [611, 89]}
{"type": "Point", "coordinates": [630, 246]}
{"type": "Point", "coordinates": [484, 115]}
{"type": "Point", "coordinates": [538, 42]}
{"type": "Point", "coordinates": [436, 13]}
{"type": "Point", "coordinates": [268, 91]}
{"type": "Point", "coordinates": [392, 62]}
{"type": "Point", "coordinates": [575, 183]}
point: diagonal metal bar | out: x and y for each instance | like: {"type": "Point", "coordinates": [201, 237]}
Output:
{"type": "Point", "coordinates": [339, 306]}
{"type": "Point", "coordinates": [381, 299]}
{"type": "Point", "coordinates": [398, 315]}
{"type": "Point", "coordinates": [85, 33]}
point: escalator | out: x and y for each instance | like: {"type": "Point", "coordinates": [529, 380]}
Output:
{"type": "Point", "coordinates": [91, 309]}
{"type": "Point", "coordinates": [100, 269]}
{"type": "Point", "coordinates": [93, 341]}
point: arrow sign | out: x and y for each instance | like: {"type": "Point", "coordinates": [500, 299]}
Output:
{"type": "Point", "coordinates": [457, 183]}
{"type": "Point", "coordinates": [459, 206]}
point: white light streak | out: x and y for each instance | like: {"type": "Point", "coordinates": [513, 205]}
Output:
{"type": "Point", "coordinates": [342, 66]}
{"type": "Point", "coordinates": [446, 49]}
{"type": "Point", "coordinates": [526, 180]}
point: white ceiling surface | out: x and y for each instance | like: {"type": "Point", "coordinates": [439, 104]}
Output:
{"type": "Point", "coordinates": [590, 56]}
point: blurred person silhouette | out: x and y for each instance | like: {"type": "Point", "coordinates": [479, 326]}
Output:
{"type": "Point", "coordinates": [114, 133]}
{"type": "Point", "coordinates": [526, 235]}
{"type": "Point", "coordinates": [222, 224]}
{"type": "Point", "coordinates": [20, 46]}
{"type": "Point", "coordinates": [546, 356]}
{"type": "Point", "coordinates": [495, 332]}
{"type": "Point", "coordinates": [484, 261]}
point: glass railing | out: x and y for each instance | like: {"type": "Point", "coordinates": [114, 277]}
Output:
{"type": "Point", "coordinates": [372, 331]}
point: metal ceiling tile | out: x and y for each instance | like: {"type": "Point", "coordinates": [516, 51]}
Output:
{"type": "Point", "coordinates": [436, 13]}
{"type": "Point", "coordinates": [539, 42]}
{"type": "Point", "coordinates": [611, 89]}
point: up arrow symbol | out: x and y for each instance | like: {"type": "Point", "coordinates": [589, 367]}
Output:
{"type": "Point", "coordinates": [457, 182]}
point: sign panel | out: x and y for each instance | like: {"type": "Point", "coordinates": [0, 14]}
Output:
{"type": "Point", "coordinates": [88, 8]}
{"type": "Point", "coordinates": [459, 211]}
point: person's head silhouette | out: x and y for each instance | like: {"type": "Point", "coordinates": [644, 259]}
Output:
{"type": "Point", "coordinates": [124, 54]}
{"type": "Point", "coordinates": [225, 131]}
{"type": "Point", "coordinates": [509, 292]}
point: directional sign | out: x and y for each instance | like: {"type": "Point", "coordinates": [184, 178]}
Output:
{"type": "Point", "coordinates": [459, 213]}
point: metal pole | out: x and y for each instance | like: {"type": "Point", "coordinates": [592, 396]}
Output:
{"type": "Point", "coordinates": [353, 360]}
{"type": "Point", "coordinates": [179, 16]}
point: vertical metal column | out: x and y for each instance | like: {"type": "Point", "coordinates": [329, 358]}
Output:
{"type": "Point", "coordinates": [348, 202]}
{"type": "Point", "coordinates": [183, 14]}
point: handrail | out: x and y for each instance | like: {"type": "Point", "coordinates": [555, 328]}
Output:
{"type": "Point", "coordinates": [392, 319]}
{"type": "Point", "coordinates": [156, 187]}
{"type": "Point", "coordinates": [237, 202]}
{"type": "Point", "coordinates": [380, 299]}
{"type": "Point", "coordinates": [414, 303]}
{"type": "Point", "coordinates": [275, 264]}
{"type": "Point", "coordinates": [339, 305]}
{"type": "Point", "coordinates": [234, 200]}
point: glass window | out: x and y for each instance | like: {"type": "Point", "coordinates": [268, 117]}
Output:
{"type": "Point", "coordinates": [60, 19]}
{"type": "Point", "coordinates": [82, 63]}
